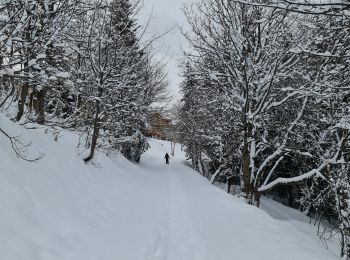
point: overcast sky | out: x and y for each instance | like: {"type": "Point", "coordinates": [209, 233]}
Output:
{"type": "Point", "coordinates": [167, 14]}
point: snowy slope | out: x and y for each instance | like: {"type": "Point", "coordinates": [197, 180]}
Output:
{"type": "Point", "coordinates": [61, 208]}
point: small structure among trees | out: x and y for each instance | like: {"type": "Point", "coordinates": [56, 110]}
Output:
{"type": "Point", "coordinates": [161, 127]}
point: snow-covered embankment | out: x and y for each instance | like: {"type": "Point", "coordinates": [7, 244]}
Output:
{"type": "Point", "coordinates": [61, 208]}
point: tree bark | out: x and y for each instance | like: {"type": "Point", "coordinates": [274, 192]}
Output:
{"type": "Point", "coordinates": [96, 128]}
{"type": "Point", "coordinates": [247, 183]}
{"type": "Point", "coordinates": [40, 99]}
{"type": "Point", "coordinates": [25, 86]}
{"type": "Point", "coordinates": [22, 100]}
{"type": "Point", "coordinates": [31, 98]}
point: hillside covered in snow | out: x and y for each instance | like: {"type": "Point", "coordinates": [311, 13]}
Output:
{"type": "Point", "coordinates": [256, 92]}
{"type": "Point", "coordinates": [62, 208]}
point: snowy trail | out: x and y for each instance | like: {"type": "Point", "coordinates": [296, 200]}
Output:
{"type": "Point", "coordinates": [197, 221]}
{"type": "Point", "coordinates": [63, 209]}
{"type": "Point", "coordinates": [172, 235]}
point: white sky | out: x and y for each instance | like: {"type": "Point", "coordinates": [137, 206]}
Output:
{"type": "Point", "coordinates": [166, 14]}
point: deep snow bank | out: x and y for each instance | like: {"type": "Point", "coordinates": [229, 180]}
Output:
{"type": "Point", "coordinates": [60, 207]}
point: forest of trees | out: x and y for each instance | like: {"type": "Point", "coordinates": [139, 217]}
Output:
{"type": "Point", "coordinates": [266, 94]}
{"type": "Point", "coordinates": [265, 91]}
{"type": "Point", "coordinates": [80, 65]}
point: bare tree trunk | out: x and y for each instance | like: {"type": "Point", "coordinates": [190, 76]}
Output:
{"type": "Point", "coordinates": [25, 87]}
{"type": "Point", "coordinates": [204, 171]}
{"type": "Point", "coordinates": [96, 128]}
{"type": "Point", "coordinates": [40, 99]}
{"type": "Point", "coordinates": [247, 184]}
{"type": "Point", "coordinates": [31, 99]}
{"type": "Point", "coordinates": [345, 244]}
{"type": "Point", "coordinates": [172, 144]}
{"type": "Point", "coordinates": [256, 199]}
{"type": "Point", "coordinates": [22, 100]}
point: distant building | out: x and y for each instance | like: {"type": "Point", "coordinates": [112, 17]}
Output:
{"type": "Point", "coordinates": [161, 127]}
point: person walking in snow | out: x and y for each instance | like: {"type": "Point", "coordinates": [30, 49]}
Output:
{"type": "Point", "coordinates": [167, 157]}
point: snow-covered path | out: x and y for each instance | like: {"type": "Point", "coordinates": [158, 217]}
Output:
{"type": "Point", "coordinates": [63, 209]}
{"type": "Point", "coordinates": [197, 221]}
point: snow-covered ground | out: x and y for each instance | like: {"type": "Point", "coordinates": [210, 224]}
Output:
{"type": "Point", "coordinates": [62, 209]}
{"type": "Point", "coordinates": [301, 222]}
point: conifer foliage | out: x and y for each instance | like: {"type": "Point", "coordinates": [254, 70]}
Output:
{"type": "Point", "coordinates": [82, 65]}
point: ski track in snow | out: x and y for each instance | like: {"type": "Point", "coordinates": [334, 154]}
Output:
{"type": "Point", "coordinates": [159, 232]}
{"type": "Point", "coordinates": [173, 234]}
